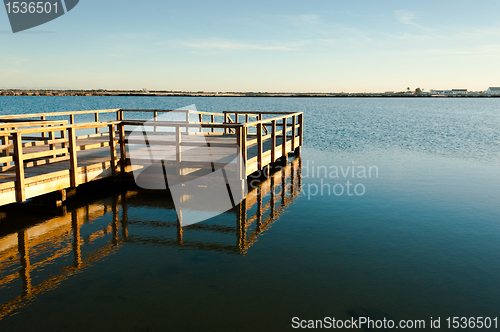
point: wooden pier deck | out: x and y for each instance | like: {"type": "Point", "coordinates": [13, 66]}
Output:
{"type": "Point", "coordinates": [40, 156]}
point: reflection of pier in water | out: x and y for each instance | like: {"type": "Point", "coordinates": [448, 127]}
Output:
{"type": "Point", "coordinates": [42, 252]}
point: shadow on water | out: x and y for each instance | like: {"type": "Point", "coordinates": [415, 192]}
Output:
{"type": "Point", "coordinates": [42, 246]}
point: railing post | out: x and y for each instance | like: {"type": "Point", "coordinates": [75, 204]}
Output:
{"type": "Point", "coordinates": [225, 121]}
{"type": "Point", "coordinates": [213, 121]}
{"type": "Point", "coordinates": [259, 146]}
{"type": "Point", "coordinates": [178, 150]}
{"type": "Point", "coordinates": [19, 163]}
{"type": "Point", "coordinates": [293, 131]}
{"type": "Point", "coordinates": [112, 148]}
{"type": "Point", "coordinates": [97, 120]}
{"type": "Point", "coordinates": [155, 119]}
{"type": "Point", "coordinates": [301, 129]}
{"type": "Point", "coordinates": [187, 120]}
{"type": "Point", "coordinates": [5, 152]}
{"type": "Point", "coordinates": [284, 151]}
{"type": "Point", "coordinates": [301, 135]}
{"type": "Point", "coordinates": [241, 141]}
{"type": "Point", "coordinates": [72, 157]}
{"type": "Point", "coordinates": [244, 150]}
{"type": "Point", "coordinates": [71, 119]}
{"type": "Point", "coordinates": [123, 151]}
{"type": "Point", "coordinates": [200, 116]}
{"type": "Point", "coordinates": [64, 145]}
{"type": "Point", "coordinates": [273, 141]}
{"type": "Point", "coordinates": [52, 137]}
{"type": "Point", "coordinates": [43, 119]}
{"type": "Point", "coordinates": [239, 131]}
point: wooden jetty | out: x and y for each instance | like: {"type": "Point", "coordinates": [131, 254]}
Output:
{"type": "Point", "coordinates": [34, 259]}
{"type": "Point", "coordinates": [53, 152]}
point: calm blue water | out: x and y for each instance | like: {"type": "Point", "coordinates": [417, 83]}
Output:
{"type": "Point", "coordinates": [416, 238]}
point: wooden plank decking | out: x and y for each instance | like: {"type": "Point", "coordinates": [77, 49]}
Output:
{"type": "Point", "coordinates": [43, 156]}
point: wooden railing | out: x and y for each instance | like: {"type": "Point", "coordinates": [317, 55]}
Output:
{"type": "Point", "coordinates": [6, 143]}
{"type": "Point", "coordinates": [30, 140]}
{"type": "Point", "coordinates": [234, 117]}
{"type": "Point", "coordinates": [55, 150]}
{"type": "Point", "coordinates": [291, 135]}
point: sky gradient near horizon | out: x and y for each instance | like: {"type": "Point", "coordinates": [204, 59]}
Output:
{"type": "Point", "coordinates": [284, 46]}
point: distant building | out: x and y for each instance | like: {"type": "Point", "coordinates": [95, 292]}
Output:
{"type": "Point", "coordinates": [493, 91]}
{"type": "Point", "coordinates": [440, 92]}
{"type": "Point", "coordinates": [452, 92]}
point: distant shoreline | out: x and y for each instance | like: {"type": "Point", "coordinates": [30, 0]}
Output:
{"type": "Point", "coordinates": [124, 93]}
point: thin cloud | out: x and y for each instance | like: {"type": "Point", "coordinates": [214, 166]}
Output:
{"type": "Point", "coordinates": [407, 17]}
{"type": "Point", "coordinates": [463, 34]}
{"type": "Point", "coordinates": [302, 20]}
{"type": "Point", "coordinates": [226, 45]}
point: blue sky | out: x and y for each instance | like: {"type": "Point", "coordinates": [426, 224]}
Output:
{"type": "Point", "coordinates": [324, 46]}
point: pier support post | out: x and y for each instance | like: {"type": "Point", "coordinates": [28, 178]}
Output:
{"type": "Point", "coordinates": [265, 172]}
{"type": "Point", "coordinates": [60, 197]}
